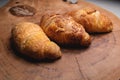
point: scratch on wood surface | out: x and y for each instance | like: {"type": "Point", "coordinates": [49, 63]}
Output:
{"type": "Point", "coordinates": [114, 38]}
{"type": "Point", "coordinates": [99, 60]}
{"type": "Point", "coordinates": [45, 72]}
{"type": "Point", "coordinates": [84, 77]}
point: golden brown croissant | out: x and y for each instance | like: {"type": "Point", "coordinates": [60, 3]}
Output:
{"type": "Point", "coordinates": [32, 41]}
{"type": "Point", "coordinates": [64, 30]}
{"type": "Point", "coordinates": [92, 20]}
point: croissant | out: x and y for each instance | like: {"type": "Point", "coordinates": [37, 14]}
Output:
{"type": "Point", "coordinates": [32, 41]}
{"type": "Point", "coordinates": [64, 30]}
{"type": "Point", "coordinates": [92, 20]}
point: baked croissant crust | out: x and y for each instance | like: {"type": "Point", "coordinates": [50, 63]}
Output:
{"type": "Point", "coordinates": [92, 20]}
{"type": "Point", "coordinates": [30, 40]}
{"type": "Point", "coordinates": [64, 30]}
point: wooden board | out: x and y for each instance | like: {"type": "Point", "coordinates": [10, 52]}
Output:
{"type": "Point", "coordinates": [101, 61]}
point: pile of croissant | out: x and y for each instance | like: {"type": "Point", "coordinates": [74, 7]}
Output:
{"type": "Point", "coordinates": [71, 29]}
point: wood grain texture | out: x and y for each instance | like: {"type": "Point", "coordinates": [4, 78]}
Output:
{"type": "Point", "coordinates": [101, 61]}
